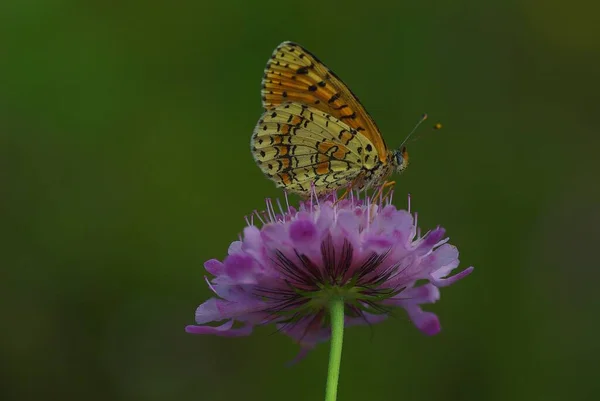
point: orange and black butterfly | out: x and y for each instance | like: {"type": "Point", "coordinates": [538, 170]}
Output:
{"type": "Point", "coordinates": [315, 131]}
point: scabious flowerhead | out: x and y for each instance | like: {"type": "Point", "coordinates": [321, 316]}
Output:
{"type": "Point", "coordinates": [286, 270]}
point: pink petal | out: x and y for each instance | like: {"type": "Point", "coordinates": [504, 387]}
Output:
{"type": "Point", "coordinates": [303, 231]}
{"type": "Point", "coordinates": [217, 309]}
{"type": "Point", "coordinates": [442, 261]}
{"type": "Point", "coordinates": [453, 279]}
{"type": "Point", "coordinates": [235, 247]}
{"type": "Point", "coordinates": [241, 268]}
{"type": "Point", "coordinates": [427, 322]}
{"type": "Point", "coordinates": [275, 235]}
{"type": "Point", "coordinates": [214, 267]}
{"type": "Point", "coordinates": [252, 239]}
{"type": "Point", "coordinates": [424, 294]}
{"type": "Point", "coordinates": [224, 330]}
{"type": "Point", "coordinates": [348, 225]}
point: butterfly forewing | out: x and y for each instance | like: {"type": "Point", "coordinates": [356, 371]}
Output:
{"type": "Point", "coordinates": [293, 74]}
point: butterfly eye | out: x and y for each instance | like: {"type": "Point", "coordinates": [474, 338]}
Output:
{"type": "Point", "coordinates": [399, 158]}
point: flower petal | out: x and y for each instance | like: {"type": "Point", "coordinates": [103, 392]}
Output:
{"type": "Point", "coordinates": [427, 322]}
{"type": "Point", "coordinates": [453, 279]}
{"type": "Point", "coordinates": [303, 231]}
{"type": "Point", "coordinates": [275, 235]}
{"type": "Point", "coordinates": [241, 268]}
{"type": "Point", "coordinates": [214, 267]}
{"type": "Point", "coordinates": [389, 219]}
{"type": "Point", "coordinates": [217, 309]}
{"type": "Point", "coordinates": [235, 247]}
{"type": "Point", "coordinates": [325, 217]}
{"type": "Point", "coordinates": [424, 294]}
{"type": "Point", "coordinates": [348, 225]}
{"type": "Point", "coordinates": [442, 260]}
{"type": "Point", "coordinates": [252, 239]}
{"type": "Point", "coordinates": [430, 240]}
{"type": "Point", "coordinates": [223, 330]}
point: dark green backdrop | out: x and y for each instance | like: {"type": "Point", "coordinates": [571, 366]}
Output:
{"type": "Point", "coordinates": [125, 164]}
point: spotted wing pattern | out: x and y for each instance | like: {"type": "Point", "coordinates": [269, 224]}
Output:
{"type": "Point", "coordinates": [296, 145]}
{"type": "Point", "coordinates": [293, 74]}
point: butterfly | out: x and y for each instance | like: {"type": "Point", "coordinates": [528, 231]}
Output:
{"type": "Point", "coordinates": [314, 132]}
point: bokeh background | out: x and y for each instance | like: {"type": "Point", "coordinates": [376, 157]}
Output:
{"type": "Point", "coordinates": [125, 164]}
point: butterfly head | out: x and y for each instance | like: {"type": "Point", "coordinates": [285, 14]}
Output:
{"type": "Point", "coordinates": [400, 159]}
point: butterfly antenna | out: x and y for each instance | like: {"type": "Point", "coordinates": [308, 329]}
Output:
{"type": "Point", "coordinates": [423, 118]}
{"type": "Point", "coordinates": [436, 127]}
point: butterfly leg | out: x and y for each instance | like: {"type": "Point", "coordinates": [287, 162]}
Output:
{"type": "Point", "coordinates": [357, 183]}
{"type": "Point", "coordinates": [379, 193]}
{"type": "Point", "coordinates": [345, 194]}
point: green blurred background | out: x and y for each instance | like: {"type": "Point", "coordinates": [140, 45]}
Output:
{"type": "Point", "coordinates": [125, 164]}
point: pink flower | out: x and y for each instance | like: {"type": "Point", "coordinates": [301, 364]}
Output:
{"type": "Point", "coordinates": [287, 270]}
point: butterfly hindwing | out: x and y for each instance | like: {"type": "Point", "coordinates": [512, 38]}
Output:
{"type": "Point", "coordinates": [295, 145]}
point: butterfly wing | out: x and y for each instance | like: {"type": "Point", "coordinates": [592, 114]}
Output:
{"type": "Point", "coordinates": [293, 74]}
{"type": "Point", "coordinates": [296, 145]}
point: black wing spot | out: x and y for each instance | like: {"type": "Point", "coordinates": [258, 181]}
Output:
{"type": "Point", "coordinates": [317, 101]}
{"type": "Point", "coordinates": [341, 134]}
{"type": "Point", "coordinates": [369, 148]}
{"type": "Point", "coordinates": [312, 88]}
{"type": "Point", "coordinates": [334, 98]}
{"type": "Point", "coordinates": [351, 116]}
{"type": "Point", "coordinates": [274, 114]}
{"type": "Point", "coordinates": [284, 94]}
{"type": "Point", "coordinates": [262, 153]}
{"type": "Point", "coordinates": [322, 84]}
{"type": "Point", "coordinates": [359, 150]}
{"type": "Point", "coordinates": [302, 70]}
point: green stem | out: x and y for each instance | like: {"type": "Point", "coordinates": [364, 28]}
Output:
{"type": "Point", "coordinates": [336, 309]}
